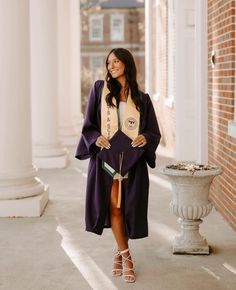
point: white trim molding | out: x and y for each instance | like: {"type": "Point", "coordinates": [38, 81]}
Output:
{"type": "Point", "coordinates": [148, 46]}
{"type": "Point", "coordinates": [232, 123]}
{"type": "Point", "coordinates": [156, 96]}
{"type": "Point", "coordinates": [169, 101]}
{"type": "Point", "coordinates": [232, 127]}
{"type": "Point", "coordinates": [201, 81]}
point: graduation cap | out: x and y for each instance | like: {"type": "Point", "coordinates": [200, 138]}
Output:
{"type": "Point", "coordinates": [121, 157]}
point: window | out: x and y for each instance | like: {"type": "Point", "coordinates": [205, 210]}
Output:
{"type": "Point", "coordinates": [96, 67]}
{"type": "Point", "coordinates": [96, 63]}
{"type": "Point", "coordinates": [96, 27]}
{"type": "Point", "coordinates": [117, 27]}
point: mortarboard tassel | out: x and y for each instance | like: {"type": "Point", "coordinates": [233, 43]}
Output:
{"type": "Point", "coordinates": [120, 179]}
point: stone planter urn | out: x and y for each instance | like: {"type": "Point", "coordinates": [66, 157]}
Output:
{"type": "Point", "coordinates": [190, 191]}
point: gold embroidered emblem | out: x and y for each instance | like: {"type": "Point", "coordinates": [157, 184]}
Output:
{"type": "Point", "coordinates": [131, 123]}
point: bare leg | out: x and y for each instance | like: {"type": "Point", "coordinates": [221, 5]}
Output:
{"type": "Point", "coordinates": [117, 224]}
{"type": "Point", "coordinates": [116, 216]}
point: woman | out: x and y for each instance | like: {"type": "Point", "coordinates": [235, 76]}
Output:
{"type": "Point", "coordinates": [119, 96]}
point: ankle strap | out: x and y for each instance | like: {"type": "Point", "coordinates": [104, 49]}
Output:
{"type": "Point", "coordinates": [124, 251]}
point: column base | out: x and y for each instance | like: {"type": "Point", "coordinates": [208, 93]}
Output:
{"type": "Point", "coordinates": [25, 207]}
{"type": "Point", "coordinates": [194, 250]}
{"type": "Point", "coordinates": [51, 162]}
{"type": "Point", "coordinates": [71, 140]}
{"type": "Point", "coordinates": [190, 240]}
{"type": "Point", "coordinates": [69, 135]}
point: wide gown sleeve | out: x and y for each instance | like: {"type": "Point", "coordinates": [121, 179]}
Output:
{"type": "Point", "coordinates": [90, 131]}
{"type": "Point", "coordinates": [152, 134]}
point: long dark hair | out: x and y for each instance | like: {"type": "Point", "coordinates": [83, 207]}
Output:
{"type": "Point", "coordinates": [130, 74]}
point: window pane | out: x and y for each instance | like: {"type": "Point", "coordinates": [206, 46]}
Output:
{"type": "Point", "coordinates": [117, 27]}
{"type": "Point", "coordinates": [96, 28]}
{"type": "Point", "coordinates": [96, 63]}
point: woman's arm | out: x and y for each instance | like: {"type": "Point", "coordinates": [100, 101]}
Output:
{"type": "Point", "coordinates": [152, 133]}
{"type": "Point", "coordinates": [90, 131]}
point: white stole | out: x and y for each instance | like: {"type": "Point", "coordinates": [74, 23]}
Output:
{"type": "Point", "coordinates": [110, 124]}
{"type": "Point", "coordinates": [109, 117]}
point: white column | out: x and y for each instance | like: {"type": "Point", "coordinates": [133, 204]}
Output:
{"type": "Point", "coordinates": [77, 116]}
{"type": "Point", "coordinates": [47, 151]}
{"type": "Point", "coordinates": [70, 117]}
{"type": "Point", "coordinates": [186, 137]}
{"type": "Point", "coordinates": [201, 74]}
{"type": "Point", "coordinates": [148, 47]}
{"type": "Point", "coordinates": [21, 192]}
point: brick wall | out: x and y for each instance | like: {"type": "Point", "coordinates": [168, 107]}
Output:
{"type": "Point", "coordinates": [222, 147]}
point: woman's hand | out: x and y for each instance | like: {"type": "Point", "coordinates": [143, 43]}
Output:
{"type": "Point", "coordinates": [103, 142]}
{"type": "Point", "coordinates": [139, 141]}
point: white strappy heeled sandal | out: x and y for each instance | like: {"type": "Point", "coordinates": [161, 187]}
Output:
{"type": "Point", "coordinates": [117, 271]}
{"type": "Point", "coordinates": [129, 278]}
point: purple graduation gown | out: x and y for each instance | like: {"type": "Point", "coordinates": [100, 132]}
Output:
{"type": "Point", "coordinates": [99, 182]}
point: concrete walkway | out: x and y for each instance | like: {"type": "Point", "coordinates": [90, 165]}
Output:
{"type": "Point", "coordinates": [54, 252]}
